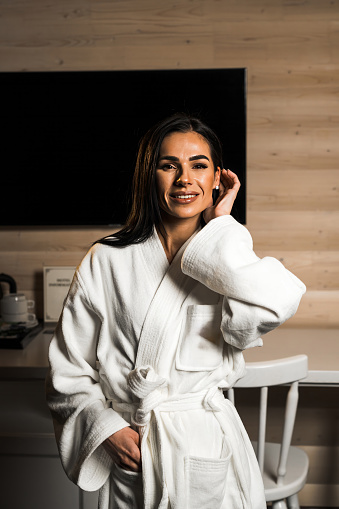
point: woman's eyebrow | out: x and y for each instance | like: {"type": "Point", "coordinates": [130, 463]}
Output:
{"type": "Point", "coordinates": [169, 158]}
{"type": "Point", "coordinates": [200, 156]}
{"type": "Point", "coordinates": [176, 159]}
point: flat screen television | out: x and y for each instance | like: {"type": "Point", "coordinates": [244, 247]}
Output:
{"type": "Point", "coordinates": [70, 138]}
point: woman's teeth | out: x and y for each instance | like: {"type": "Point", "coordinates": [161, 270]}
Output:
{"type": "Point", "coordinates": [185, 196]}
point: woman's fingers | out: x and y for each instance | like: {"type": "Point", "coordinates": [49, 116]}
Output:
{"type": "Point", "coordinates": [124, 448]}
{"type": "Point", "coordinates": [229, 180]}
{"type": "Point", "coordinates": [229, 187]}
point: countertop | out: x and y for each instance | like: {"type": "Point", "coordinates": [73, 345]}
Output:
{"type": "Point", "coordinates": [320, 345]}
{"type": "Point", "coordinates": [31, 362]}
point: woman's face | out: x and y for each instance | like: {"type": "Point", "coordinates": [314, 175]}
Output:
{"type": "Point", "coordinates": [185, 175]}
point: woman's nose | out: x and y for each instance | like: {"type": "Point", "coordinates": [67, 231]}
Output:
{"type": "Point", "coordinates": [183, 177]}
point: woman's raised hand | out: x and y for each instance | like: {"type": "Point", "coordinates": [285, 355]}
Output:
{"type": "Point", "coordinates": [124, 448]}
{"type": "Point", "coordinates": [229, 187]}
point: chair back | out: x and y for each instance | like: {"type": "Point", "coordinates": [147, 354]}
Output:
{"type": "Point", "coordinates": [272, 373]}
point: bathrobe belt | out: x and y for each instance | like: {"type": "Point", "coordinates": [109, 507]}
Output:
{"type": "Point", "coordinates": [151, 389]}
{"type": "Point", "coordinates": [141, 412]}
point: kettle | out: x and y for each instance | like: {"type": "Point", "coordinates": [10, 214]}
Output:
{"type": "Point", "coordinates": [7, 279]}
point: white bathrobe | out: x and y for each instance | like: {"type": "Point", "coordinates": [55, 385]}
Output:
{"type": "Point", "coordinates": [151, 345]}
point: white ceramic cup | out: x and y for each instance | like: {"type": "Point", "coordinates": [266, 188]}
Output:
{"type": "Point", "coordinates": [15, 308]}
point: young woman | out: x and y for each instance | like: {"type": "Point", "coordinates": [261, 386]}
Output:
{"type": "Point", "coordinates": [152, 332]}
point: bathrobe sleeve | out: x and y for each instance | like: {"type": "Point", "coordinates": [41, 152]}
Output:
{"type": "Point", "coordinates": [259, 294]}
{"type": "Point", "coordinates": [82, 418]}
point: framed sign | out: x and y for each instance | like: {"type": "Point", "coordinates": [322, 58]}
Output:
{"type": "Point", "coordinates": [57, 281]}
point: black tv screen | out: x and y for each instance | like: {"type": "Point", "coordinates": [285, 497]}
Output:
{"type": "Point", "coordinates": [71, 138]}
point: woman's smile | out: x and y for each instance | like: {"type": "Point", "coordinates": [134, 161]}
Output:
{"type": "Point", "coordinates": [184, 198]}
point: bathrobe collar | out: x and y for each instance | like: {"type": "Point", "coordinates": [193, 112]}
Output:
{"type": "Point", "coordinates": [167, 300]}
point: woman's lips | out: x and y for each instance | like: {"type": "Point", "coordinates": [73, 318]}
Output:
{"type": "Point", "coordinates": [184, 198]}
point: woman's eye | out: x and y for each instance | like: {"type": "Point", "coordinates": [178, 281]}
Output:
{"type": "Point", "coordinates": [167, 167]}
{"type": "Point", "coordinates": [200, 166]}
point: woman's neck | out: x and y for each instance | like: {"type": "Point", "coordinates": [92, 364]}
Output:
{"type": "Point", "coordinates": [178, 231]}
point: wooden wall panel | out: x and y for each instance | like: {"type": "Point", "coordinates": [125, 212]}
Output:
{"type": "Point", "coordinates": [290, 50]}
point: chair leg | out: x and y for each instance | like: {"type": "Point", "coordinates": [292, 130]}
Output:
{"type": "Point", "coordinates": [293, 502]}
{"type": "Point", "coordinates": [280, 504]}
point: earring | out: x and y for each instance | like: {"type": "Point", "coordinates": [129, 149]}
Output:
{"type": "Point", "coordinates": [215, 194]}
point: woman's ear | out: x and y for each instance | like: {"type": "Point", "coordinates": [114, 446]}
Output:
{"type": "Point", "coordinates": [217, 177]}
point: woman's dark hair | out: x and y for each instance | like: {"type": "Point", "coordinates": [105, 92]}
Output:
{"type": "Point", "coordinates": [145, 211]}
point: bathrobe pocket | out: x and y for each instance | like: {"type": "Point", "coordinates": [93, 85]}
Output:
{"type": "Point", "coordinates": [201, 343]}
{"type": "Point", "coordinates": [126, 489]}
{"type": "Point", "coordinates": [127, 476]}
{"type": "Point", "coordinates": [206, 479]}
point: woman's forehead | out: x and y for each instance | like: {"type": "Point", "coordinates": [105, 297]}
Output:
{"type": "Point", "coordinates": [188, 144]}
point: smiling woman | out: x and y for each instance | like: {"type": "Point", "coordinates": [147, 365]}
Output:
{"type": "Point", "coordinates": [145, 210]}
{"type": "Point", "coordinates": [153, 330]}
{"type": "Point", "coordinates": [186, 176]}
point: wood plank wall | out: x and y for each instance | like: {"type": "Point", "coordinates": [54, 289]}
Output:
{"type": "Point", "coordinates": [291, 51]}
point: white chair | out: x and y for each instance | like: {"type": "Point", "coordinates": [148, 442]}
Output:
{"type": "Point", "coordinates": [284, 468]}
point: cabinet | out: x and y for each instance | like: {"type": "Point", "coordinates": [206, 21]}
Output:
{"type": "Point", "coordinates": [31, 472]}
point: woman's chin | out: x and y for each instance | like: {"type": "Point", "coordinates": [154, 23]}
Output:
{"type": "Point", "coordinates": [181, 215]}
